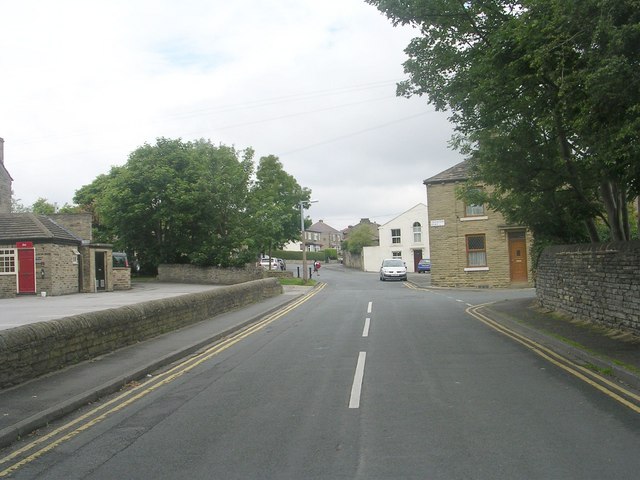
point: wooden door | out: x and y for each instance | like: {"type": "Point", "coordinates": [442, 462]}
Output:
{"type": "Point", "coordinates": [518, 257]}
{"type": "Point", "coordinates": [26, 270]}
{"type": "Point", "coordinates": [417, 256]}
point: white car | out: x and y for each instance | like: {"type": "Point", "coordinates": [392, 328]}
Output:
{"type": "Point", "coordinates": [264, 263]}
{"type": "Point", "coordinates": [393, 269]}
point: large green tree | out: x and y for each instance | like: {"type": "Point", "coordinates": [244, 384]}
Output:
{"type": "Point", "coordinates": [175, 202]}
{"type": "Point", "coordinates": [545, 99]}
{"type": "Point", "coordinates": [274, 205]}
{"type": "Point", "coordinates": [194, 202]}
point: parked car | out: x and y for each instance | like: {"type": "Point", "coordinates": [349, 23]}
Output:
{"type": "Point", "coordinates": [393, 268]}
{"type": "Point", "coordinates": [119, 260]}
{"type": "Point", "coordinates": [264, 263]}
{"type": "Point", "coordinates": [424, 265]}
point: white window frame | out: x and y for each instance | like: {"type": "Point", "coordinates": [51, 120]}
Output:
{"type": "Point", "coordinates": [396, 238]}
{"type": "Point", "coordinates": [417, 232]}
{"type": "Point", "coordinates": [8, 261]}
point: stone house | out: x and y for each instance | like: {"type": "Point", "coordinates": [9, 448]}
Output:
{"type": "Point", "coordinates": [320, 236]}
{"type": "Point", "coordinates": [471, 245]}
{"type": "Point", "coordinates": [51, 255]}
{"type": "Point", "coordinates": [405, 236]}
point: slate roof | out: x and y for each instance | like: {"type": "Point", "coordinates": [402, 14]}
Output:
{"type": "Point", "coordinates": [456, 173]}
{"type": "Point", "coordinates": [23, 227]}
{"type": "Point", "coordinates": [321, 227]}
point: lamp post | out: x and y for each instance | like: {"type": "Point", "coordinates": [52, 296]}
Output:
{"type": "Point", "coordinates": [305, 275]}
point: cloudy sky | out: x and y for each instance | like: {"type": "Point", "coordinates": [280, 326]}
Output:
{"type": "Point", "coordinates": [86, 82]}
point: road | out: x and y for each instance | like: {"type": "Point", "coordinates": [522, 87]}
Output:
{"type": "Point", "coordinates": [363, 380]}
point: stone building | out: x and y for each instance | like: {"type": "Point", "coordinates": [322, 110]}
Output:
{"type": "Point", "coordinates": [471, 245]}
{"type": "Point", "coordinates": [5, 183]}
{"type": "Point", "coordinates": [51, 255]}
{"type": "Point", "coordinates": [320, 236]}
{"type": "Point", "coordinates": [405, 237]}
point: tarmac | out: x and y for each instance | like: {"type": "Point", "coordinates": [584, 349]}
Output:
{"type": "Point", "coordinates": [34, 404]}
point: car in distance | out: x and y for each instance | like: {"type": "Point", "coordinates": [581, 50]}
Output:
{"type": "Point", "coordinates": [264, 263]}
{"type": "Point", "coordinates": [393, 269]}
{"type": "Point", "coordinates": [424, 265]}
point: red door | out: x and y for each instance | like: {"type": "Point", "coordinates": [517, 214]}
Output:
{"type": "Point", "coordinates": [26, 270]}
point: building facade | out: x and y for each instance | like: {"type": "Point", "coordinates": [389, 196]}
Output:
{"type": "Point", "coordinates": [471, 245]}
{"type": "Point", "coordinates": [51, 255]}
{"type": "Point", "coordinates": [405, 237]}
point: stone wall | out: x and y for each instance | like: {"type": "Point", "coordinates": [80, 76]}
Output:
{"type": "Point", "coordinates": [121, 278]}
{"type": "Point", "coordinates": [32, 350]}
{"type": "Point", "coordinates": [208, 275]}
{"type": "Point", "coordinates": [60, 265]}
{"type": "Point", "coordinates": [595, 282]}
{"type": "Point", "coordinates": [77, 223]}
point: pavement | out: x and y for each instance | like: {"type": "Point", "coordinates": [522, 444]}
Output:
{"type": "Point", "coordinates": [32, 405]}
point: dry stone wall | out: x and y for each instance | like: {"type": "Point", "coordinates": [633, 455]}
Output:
{"type": "Point", "coordinates": [33, 350]}
{"type": "Point", "coordinates": [596, 282]}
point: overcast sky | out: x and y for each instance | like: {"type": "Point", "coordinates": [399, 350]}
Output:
{"type": "Point", "coordinates": [86, 82]}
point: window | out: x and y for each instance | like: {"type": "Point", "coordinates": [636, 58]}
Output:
{"type": "Point", "coordinates": [417, 232]}
{"type": "Point", "coordinates": [476, 251]}
{"type": "Point", "coordinates": [7, 261]}
{"type": "Point", "coordinates": [395, 235]}
{"type": "Point", "coordinates": [472, 210]}
{"type": "Point", "coordinates": [396, 254]}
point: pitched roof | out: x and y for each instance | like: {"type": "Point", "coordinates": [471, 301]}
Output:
{"type": "Point", "coordinates": [321, 227]}
{"type": "Point", "coordinates": [453, 174]}
{"type": "Point", "coordinates": [17, 227]}
{"type": "Point", "coordinates": [422, 205]}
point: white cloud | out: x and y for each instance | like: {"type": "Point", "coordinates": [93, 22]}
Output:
{"type": "Point", "coordinates": [86, 83]}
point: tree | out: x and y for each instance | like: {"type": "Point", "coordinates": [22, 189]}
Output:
{"type": "Point", "coordinates": [545, 99]}
{"type": "Point", "coordinates": [43, 207]}
{"type": "Point", "coordinates": [359, 237]}
{"type": "Point", "coordinates": [274, 205]}
{"type": "Point", "coordinates": [175, 202]}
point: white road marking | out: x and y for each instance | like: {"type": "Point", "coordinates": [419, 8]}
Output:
{"type": "Point", "coordinates": [369, 307]}
{"type": "Point", "coordinates": [367, 323]}
{"type": "Point", "coordinates": [356, 388]}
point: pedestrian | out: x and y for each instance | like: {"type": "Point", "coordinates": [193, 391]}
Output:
{"type": "Point", "coordinates": [316, 267]}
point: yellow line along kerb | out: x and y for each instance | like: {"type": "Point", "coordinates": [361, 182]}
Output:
{"type": "Point", "coordinates": [140, 391]}
{"type": "Point", "coordinates": [574, 369]}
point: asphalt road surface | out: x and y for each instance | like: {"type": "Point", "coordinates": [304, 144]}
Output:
{"type": "Point", "coordinates": [363, 380]}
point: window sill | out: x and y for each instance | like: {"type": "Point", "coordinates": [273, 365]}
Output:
{"type": "Point", "coordinates": [473, 219]}
{"type": "Point", "coordinates": [476, 269]}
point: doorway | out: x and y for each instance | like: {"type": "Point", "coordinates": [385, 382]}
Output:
{"type": "Point", "coordinates": [417, 256]}
{"type": "Point", "coordinates": [101, 271]}
{"type": "Point", "coordinates": [518, 257]}
{"type": "Point", "coordinates": [26, 270]}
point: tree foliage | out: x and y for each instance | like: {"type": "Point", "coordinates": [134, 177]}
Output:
{"type": "Point", "coordinates": [545, 99]}
{"type": "Point", "coordinates": [274, 205]}
{"type": "Point", "coordinates": [359, 237]}
{"type": "Point", "coordinates": [186, 202]}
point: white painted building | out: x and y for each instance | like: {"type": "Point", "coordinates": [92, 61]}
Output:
{"type": "Point", "coordinates": [405, 237]}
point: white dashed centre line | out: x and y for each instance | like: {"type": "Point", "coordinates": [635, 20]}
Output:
{"type": "Point", "coordinates": [356, 388]}
{"type": "Point", "coordinates": [367, 323]}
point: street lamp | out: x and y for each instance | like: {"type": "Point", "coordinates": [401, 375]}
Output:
{"type": "Point", "coordinates": [305, 275]}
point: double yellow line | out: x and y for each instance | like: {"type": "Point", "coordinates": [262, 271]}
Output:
{"type": "Point", "coordinates": [66, 432]}
{"type": "Point", "coordinates": [616, 391]}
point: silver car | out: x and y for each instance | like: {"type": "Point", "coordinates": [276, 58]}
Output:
{"type": "Point", "coordinates": [393, 268]}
